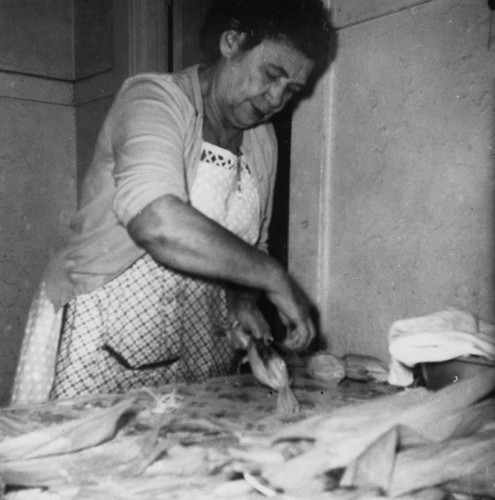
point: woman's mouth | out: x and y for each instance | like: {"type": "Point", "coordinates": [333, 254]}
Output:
{"type": "Point", "coordinates": [259, 114]}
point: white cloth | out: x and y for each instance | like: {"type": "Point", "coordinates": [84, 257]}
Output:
{"type": "Point", "coordinates": [438, 337]}
{"type": "Point", "coordinates": [225, 191]}
{"type": "Point", "coordinates": [36, 366]}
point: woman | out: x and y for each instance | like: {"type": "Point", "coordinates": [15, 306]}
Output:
{"type": "Point", "coordinates": [168, 249]}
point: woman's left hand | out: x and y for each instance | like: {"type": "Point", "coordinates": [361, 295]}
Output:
{"type": "Point", "coordinates": [294, 309]}
{"type": "Point", "coordinates": [300, 336]}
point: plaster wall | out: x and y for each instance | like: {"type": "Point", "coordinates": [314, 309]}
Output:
{"type": "Point", "coordinates": [56, 84]}
{"type": "Point", "coordinates": [37, 37]}
{"type": "Point", "coordinates": [37, 167]}
{"type": "Point", "coordinates": [402, 168]}
{"type": "Point", "coordinates": [37, 196]}
{"type": "Point", "coordinates": [37, 159]}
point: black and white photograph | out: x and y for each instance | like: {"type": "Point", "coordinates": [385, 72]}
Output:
{"type": "Point", "coordinates": [247, 249]}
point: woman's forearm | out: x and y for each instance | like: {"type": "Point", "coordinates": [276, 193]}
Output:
{"type": "Point", "coordinates": [179, 236]}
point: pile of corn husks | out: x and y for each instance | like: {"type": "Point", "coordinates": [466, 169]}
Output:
{"type": "Point", "coordinates": [414, 444]}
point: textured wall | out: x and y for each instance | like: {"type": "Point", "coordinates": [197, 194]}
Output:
{"type": "Point", "coordinates": [55, 86]}
{"type": "Point", "coordinates": [37, 194]}
{"type": "Point", "coordinates": [36, 37]}
{"type": "Point", "coordinates": [408, 169]}
{"type": "Point", "coordinates": [37, 159]}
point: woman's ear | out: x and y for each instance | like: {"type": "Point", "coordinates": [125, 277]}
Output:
{"type": "Point", "coordinates": [231, 43]}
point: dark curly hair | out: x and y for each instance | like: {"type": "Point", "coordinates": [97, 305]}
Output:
{"type": "Point", "coordinates": [303, 24]}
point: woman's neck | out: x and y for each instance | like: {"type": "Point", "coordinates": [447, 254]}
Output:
{"type": "Point", "coordinates": [216, 129]}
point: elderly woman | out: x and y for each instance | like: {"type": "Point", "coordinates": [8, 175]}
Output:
{"type": "Point", "coordinates": [168, 248]}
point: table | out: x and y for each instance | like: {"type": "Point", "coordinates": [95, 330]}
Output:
{"type": "Point", "coordinates": [199, 432]}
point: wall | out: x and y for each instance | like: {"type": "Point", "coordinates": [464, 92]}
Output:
{"type": "Point", "coordinates": [401, 163]}
{"type": "Point", "coordinates": [94, 80]}
{"type": "Point", "coordinates": [56, 83]}
{"type": "Point", "coordinates": [37, 158]}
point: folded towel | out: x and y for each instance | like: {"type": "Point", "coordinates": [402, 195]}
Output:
{"type": "Point", "coordinates": [438, 337]}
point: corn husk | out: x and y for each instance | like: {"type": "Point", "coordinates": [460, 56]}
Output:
{"type": "Point", "coordinates": [287, 403]}
{"type": "Point", "coordinates": [271, 370]}
{"type": "Point", "coordinates": [267, 366]}
{"type": "Point", "coordinates": [113, 459]}
{"type": "Point", "coordinates": [438, 463]}
{"type": "Point", "coordinates": [464, 422]}
{"type": "Point", "coordinates": [418, 409]}
{"type": "Point", "coordinates": [80, 450]}
{"type": "Point", "coordinates": [343, 435]}
{"type": "Point", "coordinates": [422, 467]}
{"type": "Point", "coordinates": [375, 466]}
{"type": "Point", "coordinates": [98, 426]}
{"type": "Point", "coordinates": [478, 483]}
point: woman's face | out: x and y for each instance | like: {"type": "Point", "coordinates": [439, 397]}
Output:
{"type": "Point", "coordinates": [255, 84]}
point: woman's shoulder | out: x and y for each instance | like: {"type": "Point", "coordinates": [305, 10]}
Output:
{"type": "Point", "coordinates": [178, 87]}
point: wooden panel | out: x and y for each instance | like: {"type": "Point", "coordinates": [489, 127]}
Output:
{"type": "Point", "coordinates": [140, 37]}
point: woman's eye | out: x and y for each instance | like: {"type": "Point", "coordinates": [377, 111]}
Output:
{"type": "Point", "coordinates": [271, 76]}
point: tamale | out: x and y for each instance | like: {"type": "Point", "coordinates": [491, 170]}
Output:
{"type": "Point", "coordinates": [270, 369]}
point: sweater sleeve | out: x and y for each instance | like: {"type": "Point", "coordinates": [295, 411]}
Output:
{"type": "Point", "coordinates": [270, 155]}
{"type": "Point", "coordinates": [147, 132]}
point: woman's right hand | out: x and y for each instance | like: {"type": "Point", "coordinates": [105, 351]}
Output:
{"type": "Point", "coordinates": [294, 308]}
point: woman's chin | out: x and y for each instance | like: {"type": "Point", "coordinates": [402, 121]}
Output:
{"type": "Point", "coordinates": [251, 121]}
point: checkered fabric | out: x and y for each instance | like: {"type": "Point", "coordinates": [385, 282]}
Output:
{"type": "Point", "coordinates": [149, 326]}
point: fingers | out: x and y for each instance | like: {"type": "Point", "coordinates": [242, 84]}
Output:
{"type": "Point", "coordinates": [300, 337]}
{"type": "Point", "coordinates": [256, 324]}
{"type": "Point", "coordinates": [239, 338]}
{"type": "Point", "coordinates": [294, 309]}
{"type": "Point", "coordinates": [248, 322]}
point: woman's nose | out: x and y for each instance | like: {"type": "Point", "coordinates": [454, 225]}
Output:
{"type": "Point", "coordinates": [276, 95]}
